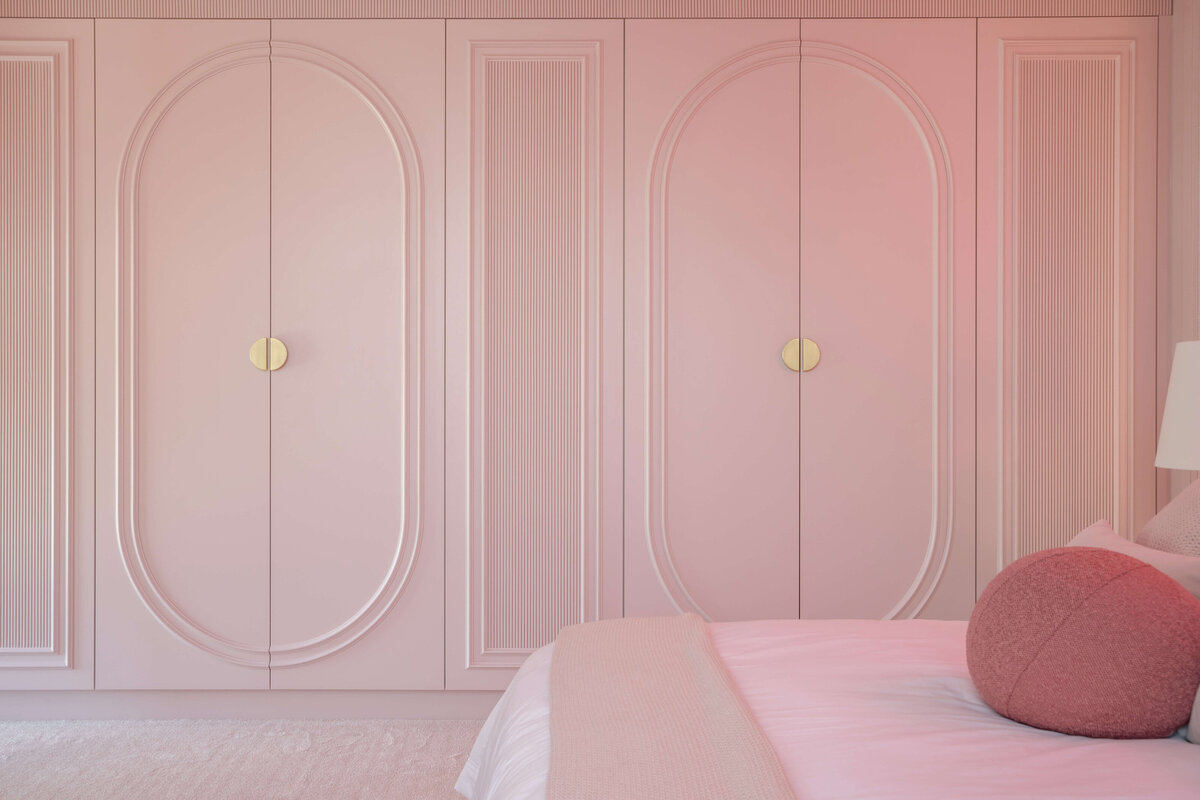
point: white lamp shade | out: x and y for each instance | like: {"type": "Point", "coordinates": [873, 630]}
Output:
{"type": "Point", "coordinates": [1179, 439]}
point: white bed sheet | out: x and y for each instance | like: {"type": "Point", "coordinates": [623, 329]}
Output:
{"type": "Point", "coordinates": [862, 710]}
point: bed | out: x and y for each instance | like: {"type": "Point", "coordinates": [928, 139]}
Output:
{"type": "Point", "coordinates": [858, 709]}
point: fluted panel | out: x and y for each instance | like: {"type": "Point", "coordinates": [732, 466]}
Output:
{"type": "Point", "coordinates": [578, 9]}
{"type": "Point", "coordinates": [534, 157]}
{"type": "Point", "coordinates": [1068, 321]}
{"type": "Point", "coordinates": [30, 520]}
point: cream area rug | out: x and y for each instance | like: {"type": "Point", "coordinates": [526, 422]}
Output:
{"type": "Point", "coordinates": [212, 759]}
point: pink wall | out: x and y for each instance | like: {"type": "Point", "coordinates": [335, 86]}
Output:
{"type": "Point", "coordinates": [1181, 305]}
{"type": "Point", "coordinates": [510, 572]}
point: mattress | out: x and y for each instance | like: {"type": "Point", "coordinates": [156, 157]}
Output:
{"type": "Point", "coordinates": [860, 709]}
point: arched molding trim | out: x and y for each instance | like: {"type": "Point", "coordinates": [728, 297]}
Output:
{"type": "Point", "coordinates": [384, 597]}
{"type": "Point", "coordinates": [656, 517]}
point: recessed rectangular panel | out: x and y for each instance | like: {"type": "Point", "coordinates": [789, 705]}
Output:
{"type": "Point", "coordinates": [34, 361]}
{"type": "Point", "coordinates": [1067, 349]}
{"type": "Point", "coordinates": [1067, 286]}
{"type": "Point", "coordinates": [532, 155]}
{"type": "Point", "coordinates": [47, 386]}
{"type": "Point", "coordinates": [538, 170]}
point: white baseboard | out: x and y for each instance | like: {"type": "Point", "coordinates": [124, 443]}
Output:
{"type": "Point", "coordinates": [37, 705]}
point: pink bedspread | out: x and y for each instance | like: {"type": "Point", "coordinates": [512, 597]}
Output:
{"type": "Point", "coordinates": [863, 710]}
{"type": "Point", "coordinates": [645, 707]}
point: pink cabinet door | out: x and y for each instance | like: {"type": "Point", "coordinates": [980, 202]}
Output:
{"type": "Point", "coordinates": [183, 228]}
{"type": "Point", "coordinates": [1067, 255]}
{"type": "Point", "coordinates": [533, 338]}
{"type": "Point", "coordinates": [272, 519]}
{"type": "Point", "coordinates": [887, 291]}
{"type": "Point", "coordinates": [356, 412]}
{"type": "Point", "coordinates": [47, 338]}
{"type": "Point", "coordinates": [800, 182]}
{"type": "Point", "coordinates": [712, 296]}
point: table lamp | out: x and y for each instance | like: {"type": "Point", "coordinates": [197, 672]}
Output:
{"type": "Point", "coordinates": [1179, 438]}
{"type": "Point", "coordinates": [1176, 528]}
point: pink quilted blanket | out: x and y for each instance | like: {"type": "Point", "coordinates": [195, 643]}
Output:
{"type": "Point", "coordinates": [645, 708]}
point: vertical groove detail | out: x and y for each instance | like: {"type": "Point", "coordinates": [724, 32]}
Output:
{"type": "Point", "coordinates": [532, 162]}
{"type": "Point", "coordinates": [1069, 317]}
{"type": "Point", "coordinates": [29, 334]}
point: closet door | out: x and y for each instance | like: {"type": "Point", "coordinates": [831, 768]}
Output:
{"type": "Point", "coordinates": [887, 291]}
{"type": "Point", "coordinates": [533, 403]}
{"type": "Point", "coordinates": [183, 228]}
{"type": "Point", "coordinates": [47, 338]}
{"type": "Point", "coordinates": [356, 297]}
{"type": "Point", "coordinates": [1067, 243]}
{"type": "Point", "coordinates": [712, 286]}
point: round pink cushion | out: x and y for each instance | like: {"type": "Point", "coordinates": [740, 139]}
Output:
{"type": "Point", "coordinates": [1087, 641]}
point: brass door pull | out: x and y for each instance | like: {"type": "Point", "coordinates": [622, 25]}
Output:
{"type": "Point", "coordinates": [268, 354]}
{"type": "Point", "coordinates": [801, 355]}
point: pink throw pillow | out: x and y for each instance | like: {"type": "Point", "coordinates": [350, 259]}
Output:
{"type": "Point", "coordinates": [1087, 641]}
{"type": "Point", "coordinates": [1184, 569]}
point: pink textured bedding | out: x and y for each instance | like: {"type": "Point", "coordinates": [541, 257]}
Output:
{"type": "Point", "coordinates": [862, 710]}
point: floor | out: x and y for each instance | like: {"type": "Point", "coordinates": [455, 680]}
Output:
{"type": "Point", "coordinates": [216, 759]}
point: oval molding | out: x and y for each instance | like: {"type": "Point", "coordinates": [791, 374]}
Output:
{"type": "Point", "coordinates": [937, 550]}
{"type": "Point", "coordinates": [384, 597]}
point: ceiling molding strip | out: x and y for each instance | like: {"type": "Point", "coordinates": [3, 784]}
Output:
{"type": "Point", "coordinates": [577, 9]}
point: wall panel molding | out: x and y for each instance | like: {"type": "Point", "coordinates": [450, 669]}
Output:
{"type": "Point", "coordinates": [656, 514]}
{"type": "Point", "coordinates": [535, 189]}
{"type": "Point", "coordinates": [578, 9]}
{"type": "Point", "coordinates": [36, 407]}
{"type": "Point", "coordinates": [380, 599]}
{"type": "Point", "coordinates": [1081, 91]}
{"type": "Point", "coordinates": [533, 349]}
{"type": "Point", "coordinates": [1068, 351]}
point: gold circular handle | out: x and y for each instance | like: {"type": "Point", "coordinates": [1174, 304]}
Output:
{"type": "Point", "coordinates": [268, 354]}
{"type": "Point", "coordinates": [801, 355]}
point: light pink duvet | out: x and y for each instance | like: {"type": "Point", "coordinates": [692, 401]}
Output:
{"type": "Point", "coordinates": [866, 710]}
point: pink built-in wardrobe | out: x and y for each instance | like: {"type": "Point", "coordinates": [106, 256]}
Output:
{"type": "Point", "coordinates": [366, 353]}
